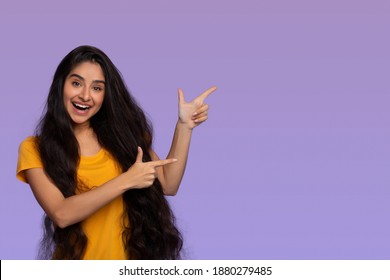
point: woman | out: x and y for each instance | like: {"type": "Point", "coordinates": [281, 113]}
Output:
{"type": "Point", "coordinates": [92, 169]}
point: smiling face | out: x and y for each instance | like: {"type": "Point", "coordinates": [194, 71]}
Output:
{"type": "Point", "coordinates": [84, 90]}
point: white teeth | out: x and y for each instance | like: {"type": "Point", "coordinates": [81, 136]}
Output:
{"type": "Point", "coordinates": [84, 107]}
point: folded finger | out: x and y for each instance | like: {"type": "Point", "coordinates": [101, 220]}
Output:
{"type": "Point", "coordinates": [201, 119]}
{"type": "Point", "coordinates": [201, 109]}
{"type": "Point", "coordinates": [199, 116]}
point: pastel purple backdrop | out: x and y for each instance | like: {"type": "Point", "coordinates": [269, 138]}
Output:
{"type": "Point", "coordinates": [294, 160]}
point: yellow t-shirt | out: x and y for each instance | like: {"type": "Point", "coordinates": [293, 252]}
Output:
{"type": "Point", "coordinates": [104, 227]}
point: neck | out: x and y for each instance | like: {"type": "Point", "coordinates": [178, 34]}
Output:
{"type": "Point", "coordinates": [82, 129]}
{"type": "Point", "coordinates": [87, 139]}
{"type": "Point", "coordinates": [84, 134]}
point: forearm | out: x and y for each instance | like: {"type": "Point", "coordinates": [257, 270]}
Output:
{"type": "Point", "coordinates": [67, 211]}
{"type": "Point", "coordinates": [173, 173]}
{"type": "Point", "coordinates": [191, 114]}
{"type": "Point", "coordinates": [79, 207]}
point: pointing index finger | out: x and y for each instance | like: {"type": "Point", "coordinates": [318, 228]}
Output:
{"type": "Point", "coordinates": [163, 162]}
{"type": "Point", "coordinates": [206, 93]}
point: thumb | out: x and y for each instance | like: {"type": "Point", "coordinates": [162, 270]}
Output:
{"type": "Point", "coordinates": [181, 96]}
{"type": "Point", "coordinates": [139, 155]}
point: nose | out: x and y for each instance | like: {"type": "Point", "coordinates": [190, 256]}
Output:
{"type": "Point", "coordinates": [85, 94]}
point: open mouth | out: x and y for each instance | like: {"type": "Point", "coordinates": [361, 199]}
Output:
{"type": "Point", "coordinates": [81, 107]}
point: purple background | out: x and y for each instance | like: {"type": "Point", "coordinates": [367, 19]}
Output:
{"type": "Point", "coordinates": [294, 160]}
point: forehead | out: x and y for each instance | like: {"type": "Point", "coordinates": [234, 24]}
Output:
{"type": "Point", "coordinates": [90, 71]}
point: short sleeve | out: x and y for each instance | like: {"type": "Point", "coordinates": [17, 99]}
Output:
{"type": "Point", "coordinates": [28, 158]}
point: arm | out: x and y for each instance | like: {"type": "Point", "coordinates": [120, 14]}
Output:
{"type": "Point", "coordinates": [67, 211]}
{"type": "Point", "coordinates": [170, 178]}
{"type": "Point", "coordinates": [191, 114]}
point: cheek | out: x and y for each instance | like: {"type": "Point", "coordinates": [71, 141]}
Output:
{"type": "Point", "coordinates": [65, 97]}
{"type": "Point", "coordinates": [67, 93]}
{"type": "Point", "coordinates": [100, 99]}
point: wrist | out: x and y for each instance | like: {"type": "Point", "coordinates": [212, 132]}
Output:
{"type": "Point", "coordinates": [184, 126]}
{"type": "Point", "coordinates": [124, 183]}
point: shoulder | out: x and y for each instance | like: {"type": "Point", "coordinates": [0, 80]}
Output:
{"type": "Point", "coordinates": [29, 146]}
{"type": "Point", "coordinates": [31, 142]}
{"type": "Point", "coordinates": [28, 157]}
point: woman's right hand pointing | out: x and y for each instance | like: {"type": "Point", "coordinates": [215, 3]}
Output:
{"type": "Point", "coordinates": [142, 174]}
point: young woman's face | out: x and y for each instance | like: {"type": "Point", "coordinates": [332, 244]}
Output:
{"type": "Point", "coordinates": [84, 92]}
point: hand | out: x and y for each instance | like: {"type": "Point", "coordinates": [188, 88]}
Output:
{"type": "Point", "coordinates": [195, 112]}
{"type": "Point", "coordinates": [142, 174]}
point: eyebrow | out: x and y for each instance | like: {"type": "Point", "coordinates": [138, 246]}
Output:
{"type": "Point", "coordinates": [82, 78]}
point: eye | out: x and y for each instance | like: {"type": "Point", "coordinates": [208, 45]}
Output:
{"type": "Point", "coordinates": [97, 89]}
{"type": "Point", "coordinates": [76, 84]}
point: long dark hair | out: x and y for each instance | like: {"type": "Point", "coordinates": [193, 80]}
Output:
{"type": "Point", "coordinates": [120, 126]}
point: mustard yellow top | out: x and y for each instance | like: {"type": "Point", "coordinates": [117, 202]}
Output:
{"type": "Point", "coordinates": [104, 227]}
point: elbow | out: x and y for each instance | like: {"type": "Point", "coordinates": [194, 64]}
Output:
{"type": "Point", "coordinates": [170, 187]}
{"type": "Point", "coordinates": [61, 224]}
{"type": "Point", "coordinates": [170, 192]}
{"type": "Point", "coordinates": [60, 219]}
